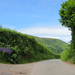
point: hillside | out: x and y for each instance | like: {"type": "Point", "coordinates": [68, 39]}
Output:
{"type": "Point", "coordinates": [23, 48]}
{"type": "Point", "coordinates": [56, 45]}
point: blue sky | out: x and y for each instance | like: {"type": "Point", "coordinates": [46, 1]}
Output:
{"type": "Point", "coordinates": [34, 17]}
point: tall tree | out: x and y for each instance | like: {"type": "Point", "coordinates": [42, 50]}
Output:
{"type": "Point", "coordinates": [67, 14]}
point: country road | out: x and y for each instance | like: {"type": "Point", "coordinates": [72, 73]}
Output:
{"type": "Point", "coordinates": [46, 67]}
{"type": "Point", "coordinates": [53, 67]}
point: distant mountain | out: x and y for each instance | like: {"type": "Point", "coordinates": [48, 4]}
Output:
{"type": "Point", "coordinates": [56, 45]}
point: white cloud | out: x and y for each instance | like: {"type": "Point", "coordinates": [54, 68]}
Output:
{"type": "Point", "coordinates": [43, 36]}
{"type": "Point", "coordinates": [48, 32]}
{"type": "Point", "coordinates": [66, 38]}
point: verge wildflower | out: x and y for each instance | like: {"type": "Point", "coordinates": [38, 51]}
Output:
{"type": "Point", "coordinates": [5, 50]}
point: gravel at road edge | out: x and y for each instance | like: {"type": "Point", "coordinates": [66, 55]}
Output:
{"type": "Point", "coordinates": [18, 69]}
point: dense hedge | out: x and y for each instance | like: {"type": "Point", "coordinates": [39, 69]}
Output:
{"type": "Point", "coordinates": [68, 55]}
{"type": "Point", "coordinates": [24, 48]}
{"type": "Point", "coordinates": [65, 55]}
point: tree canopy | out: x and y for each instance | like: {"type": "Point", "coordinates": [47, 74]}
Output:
{"type": "Point", "coordinates": [67, 13]}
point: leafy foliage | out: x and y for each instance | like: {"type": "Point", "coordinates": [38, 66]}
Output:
{"type": "Point", "coordinates": [24, 48]}
{"type": "Point", "coordinates": [65, 55]}
{"type": "Point", "coordinates": [67, 14]}
{"type": "Point", "coordinates": [73, 59]}
{"type": "Point", "coordinates": [14, 56]}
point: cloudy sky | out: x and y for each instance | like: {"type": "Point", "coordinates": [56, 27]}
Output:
{"type": "Point", "coordinates": [34, 17]}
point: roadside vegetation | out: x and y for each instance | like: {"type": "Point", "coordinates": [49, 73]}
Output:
{"type": "Point", "coordinates": [67, 14]}
{"type": "Point", "coordinates": [18, 48]}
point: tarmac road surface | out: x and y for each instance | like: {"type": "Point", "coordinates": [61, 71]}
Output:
{"type": "Point", "coordinates": [53, 67]}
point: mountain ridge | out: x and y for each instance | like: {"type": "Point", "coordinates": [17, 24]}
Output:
{"type": "Point", "coordinates": [56, 45]}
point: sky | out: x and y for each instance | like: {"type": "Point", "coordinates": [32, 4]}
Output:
{"type": "Point", "coordinates": [34, 17]}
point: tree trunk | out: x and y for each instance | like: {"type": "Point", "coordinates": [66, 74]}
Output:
{"type": "Point", "coordinates": [73, 37]}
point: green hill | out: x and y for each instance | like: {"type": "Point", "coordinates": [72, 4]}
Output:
{"type": "Point", "coordinates": [24, 48]}
{"type": "Point", "coordinates": [56, 45]}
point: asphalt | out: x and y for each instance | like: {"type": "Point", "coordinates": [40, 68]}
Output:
{"type": "Point", "coordinates": [52, 67]}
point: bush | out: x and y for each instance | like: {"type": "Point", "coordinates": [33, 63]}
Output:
{"type": "Point", "coordinates": [57, 56]}
{"type": "Point", "coordinates": [65, 55]}
{"type": "Point", "coordinates": [23, 48]}
{"type": "Point", "coordinates": [73, 59]}
{"type": "Point", "coordinates": [14, 56]}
